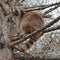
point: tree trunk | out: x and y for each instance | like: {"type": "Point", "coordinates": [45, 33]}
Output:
{"type": "Point", "coordinates": [5, 52]}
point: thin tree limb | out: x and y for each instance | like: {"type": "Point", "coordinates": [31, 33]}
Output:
{"type": "Point", "coordinates": [52, 29]}
{"type": "Point", "coordinates": [51, 9]}
{"type": "Point", "coordinates": [46, 16]}
{"type": "Point", "coordinates": [44, 6]}
{"type": "Point", "coordinates": [33, 33]}
{"type": "Point", "coordinates": [15, 38]}
{"type": "Point", "coordinates": [3, 9]}
{"type": "Point", "coordinates": [39, 8]}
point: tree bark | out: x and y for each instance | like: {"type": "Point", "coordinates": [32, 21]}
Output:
{"type": "Point", "coordinates": [5, 52]}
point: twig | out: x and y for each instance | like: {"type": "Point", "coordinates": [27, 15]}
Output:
{"type": "Point", "coordinates": [14, 38]}
{"type": "Point", "coordinates": [44, 6]}
{"type": "Point", "coordinates": [51, 9]}
{"type": "Point", "coordinates": [3, 9]}
{"type": "Point", "coordinates": [51, 29]}
{"type": "Point", "coordinates": [47, 16]}
{"type": "Point", "coordinates": [45, 31]}
{"type": "Point", "coordinates": [33, 33]}
{"type": "Point", "coordinates": [40, 8]}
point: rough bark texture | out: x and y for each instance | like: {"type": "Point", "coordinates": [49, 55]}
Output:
{"type": "Point", "coordinates": [5, 52]}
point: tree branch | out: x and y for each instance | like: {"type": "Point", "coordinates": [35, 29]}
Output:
{"type": "Point", "coordinates": [3, 9]}
{"type": "Point", "coordinates": [40, 8]}
{"type": "Point", "coordinates": [51, 9]}
{"type": "Point", "coordinates": [44, 6]}
{"type": "Point", "coordinates": [15, 38]}
{"type": "Point", "coordinates": [51, 29]}
{"type": "Point", "coordinates": [33, 33]}
{"type": "Point", "coordinates": [46, 16]}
